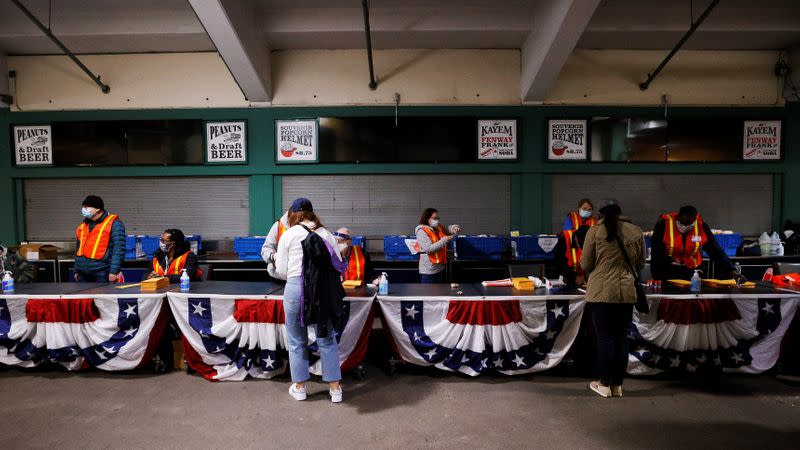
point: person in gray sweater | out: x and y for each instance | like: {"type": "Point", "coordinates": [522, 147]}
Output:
{"type": "Point", "coordinates": [432, 239]}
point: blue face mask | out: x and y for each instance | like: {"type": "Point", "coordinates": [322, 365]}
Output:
{"type": "Point", "coordinates": [434, 223]}
{"type": "Point", "coordinates": [86, 212]}
{"type": "Point", "coordinates": [585, 213]}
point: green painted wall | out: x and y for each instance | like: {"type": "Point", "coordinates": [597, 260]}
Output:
{"type": "Point", "coordinates": [530, 175]}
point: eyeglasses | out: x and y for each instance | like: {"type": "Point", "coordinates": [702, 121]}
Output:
{"type": "Point", "coordinates": [166, 242]}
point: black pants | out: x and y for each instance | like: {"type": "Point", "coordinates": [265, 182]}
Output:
{"type": "Point", "coordinates": [610, 321]}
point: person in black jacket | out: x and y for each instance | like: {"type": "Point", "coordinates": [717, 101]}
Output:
{"type": "Point", "coordinates": [173, 255]}
{"type": "Point", "coordinates": [568, 254]}
{"type": "Point", "coordinates": [307, 259]}
{"type": "Point", "coordinates": [678, 242]}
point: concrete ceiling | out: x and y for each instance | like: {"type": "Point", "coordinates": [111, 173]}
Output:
{"type": "Point", "coordinates": [120, 26]}
{"type": "Point", "coordinates": [244, 31]}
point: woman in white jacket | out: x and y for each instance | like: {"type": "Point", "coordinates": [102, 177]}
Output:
{"type": "Point", "coordinates": [289, 267]}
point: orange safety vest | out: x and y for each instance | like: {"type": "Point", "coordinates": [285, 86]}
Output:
{"type": "Point", "coordinates": [573, 253]}
{"type": "Point", "coordinates": [175, 267]}
{"type": "Point", "coordinates": [281, 230]}
{"type": "Point", "coordinates": [578, 221]}
{"type": "Point", "coordinates": [93, 244]}
{"type": "Point", "coordinates": [686, 252]}
{"type": "Point", "coordinates": [355, 267]}
{"type": "Point", "coordinates": [439, 256]}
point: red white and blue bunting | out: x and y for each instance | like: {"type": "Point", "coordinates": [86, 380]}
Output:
{"type": "Point", "coordinates": [107, 332]}
{"type": "Point", "coordinates": [702, 335]}
{"type": "Point", "coordinates": [478, 336]}
{"type": "Point", "coordinates": [229, 339]}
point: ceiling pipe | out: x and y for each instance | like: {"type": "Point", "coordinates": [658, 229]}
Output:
{"type": "Point", "coordinates": [652, 76]}
{"type": "Point", "coordinates": [372, 83]}
{"type": "Point", "coordinates": [96, 78]}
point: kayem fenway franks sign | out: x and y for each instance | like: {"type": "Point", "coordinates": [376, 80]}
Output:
{"type": "Point", "coordinates": [33, 145]}
{"type": "Point", "coordinates": [566, 139]}
{"type": "Point", "coordinates": [226, 142]}
{"type": "Point", "coordinates": [296, 140]}
{"type": "Point", "coordinates": [497, 139]}
{"type": "Point", "coordinates": [762, 139]}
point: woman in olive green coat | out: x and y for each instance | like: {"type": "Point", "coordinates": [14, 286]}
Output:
{"type": "Point", "coordinates": [611, 293]}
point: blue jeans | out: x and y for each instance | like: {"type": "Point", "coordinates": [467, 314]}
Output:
{"type": "Point", "coordinates": [434, 278]}
{"type": "Point", "coordinates": [297, 337]}
{"type": "Point", "coordinates": [101, 276]}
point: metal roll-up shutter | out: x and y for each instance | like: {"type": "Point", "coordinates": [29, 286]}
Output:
{"type": "Point", "coordinates": [742, 203]}
{"type": "Point", "coordinates": [377, 205]}
{"type": "Point", "coordinates": [214, 207]}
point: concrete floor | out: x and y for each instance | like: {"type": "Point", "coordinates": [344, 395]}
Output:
{"type": "Point", "coordinates": [413, 409]}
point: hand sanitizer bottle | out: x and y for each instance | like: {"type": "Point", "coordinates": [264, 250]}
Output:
{"type": "Point", "coordinates": [8, 283]}
{"type": "Point", "coordinates": [383, 286]}
{"type": "Point", "coordinates": [185, 281]}
{"type": "Point", "coordinates": [696, 283]}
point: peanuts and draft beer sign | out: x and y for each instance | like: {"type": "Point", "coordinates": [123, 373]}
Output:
{"type": "Point", "coordinates": [497, 139]}
{"type": "Point", "coordinates": [566, 139]}
{"type": "Point", "coordinates": [226, 142]}
{"type": "Point", "coordinates": [33, 145]}
{"type": "Point", "coordinates": [296, 141]}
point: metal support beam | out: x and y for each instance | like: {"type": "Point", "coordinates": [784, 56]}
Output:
{"type": "Point", "coordinates": [652, 76]}
{"type": "Point", "coordinates": [558, 27]}
{"type": "Point", "coordinates": [5, 92]}
{"type": "Point", "coordinates": [372, 83]}
{"type": "Point", "coordinates": [234, 28]}
{"type": "Point", "coordinates": [96, 78]}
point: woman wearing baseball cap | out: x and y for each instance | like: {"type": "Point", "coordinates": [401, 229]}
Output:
{"type": "Point", "coordinates": [313, 295]}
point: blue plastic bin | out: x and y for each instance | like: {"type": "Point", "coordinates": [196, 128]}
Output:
{"type": "Point", "coordinates": [527, 247]}
{"type": "Point", "coordinates": [130, 246]}
{"type": "Point", "coordinates": [248, 248]}
{"type": "Point", "coordinates": [361, 241]}
{"type": "Point", "coordinates": [395, 249]}
{"type": "Point", "coordinates": [195, 238]}
{"type": "Point", "coordinates": [729, 243]}
{"type": "Point", "coordinates": [149, 245]}
{"type": "Point", "coordinates": [480, 247]}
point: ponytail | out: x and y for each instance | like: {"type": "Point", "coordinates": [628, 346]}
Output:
{"type": "Point", "coordinates": [610, 215]}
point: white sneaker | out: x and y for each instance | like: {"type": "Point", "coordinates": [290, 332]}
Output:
{"type": "Point", "coordinates": [298, 394]}
{"type": "Point", "coordinates": [600, 389]}
{"type": "Point", "coordinates": [336, 396]}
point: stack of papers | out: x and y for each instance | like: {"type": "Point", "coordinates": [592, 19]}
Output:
{"type": "Point", "coordinates": [710, 282]}
{"type": "Point", "coordinates": [522, 283]}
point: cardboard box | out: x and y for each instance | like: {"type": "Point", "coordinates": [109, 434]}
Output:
{"type": "Point", "coordinates": [34, 252]}
{"type": "Point", "coordinates": [154, 284]}
{"type": "Point", "coordinates": [178, 360]}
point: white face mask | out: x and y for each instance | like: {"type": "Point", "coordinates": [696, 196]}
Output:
{"type": "Point", "coordinates": [684, 228]}
{"type": "Point", "coordinates": [342, 247]}
{"type": "Point", "coordinates": [88, 212]}
{"type": "Point", "coordinates": [585, 213]}
{"type": "Point", "coordinates": [434, 223]}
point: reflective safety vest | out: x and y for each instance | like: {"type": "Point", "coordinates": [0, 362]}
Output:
{"type": "Point", "coordinates": [684, 251]}
{"type": "Point", "coordinates": [355, 267]}
{"type": "Point", "coordinates": [439, 256]}
{"type": "Point", "coordinates": [175, 267]}
{"type": "Point", "coordinates": [578, 221]}
{"type": "Point", "coordinates": [573, 253]}
{"type": "Point", "coordinates": [93, 244]}
{"type": "Point", "coordinates": [281, 230]}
